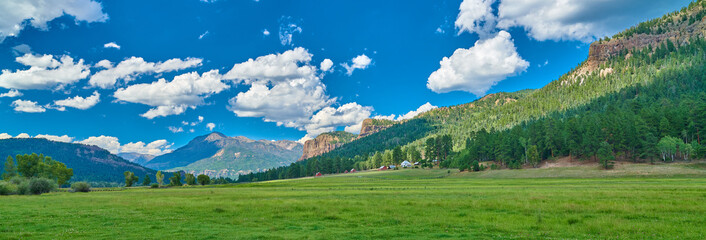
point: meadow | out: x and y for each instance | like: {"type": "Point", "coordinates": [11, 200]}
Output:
{"type": "Point", "coordinates": [631, 202]}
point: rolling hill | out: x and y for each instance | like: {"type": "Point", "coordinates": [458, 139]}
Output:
{"type": "Point", "coordinates": [90, 163]}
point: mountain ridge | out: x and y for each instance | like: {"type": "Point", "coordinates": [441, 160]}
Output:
{"type": "Point", "coordinates": [218, 155]}
{"type": "Point", "coordinates": [90, 163]}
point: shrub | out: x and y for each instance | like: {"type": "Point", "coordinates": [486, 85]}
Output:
{"type": "Point", "coordinates": [23, 187]}
{"type": "Point", "coordinates": [81, 187]}
{"type": "Point", "coordinates": [17, 180]}
{"type": "Point", "coordinates": [41, 185]}
{"type": "Point", "coordinates": [154, 185]}
{"type": "Point", "coordinates": [7, 188]}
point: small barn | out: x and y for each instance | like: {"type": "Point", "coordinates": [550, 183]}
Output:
{"type": "Point", "coordinates": [346, 171]}
{"type": "Point", "coordinates": [353, 170]}
{"type": "Point", "coordinates": [406, 164]}
{"type": "Point", "coordinates": [393, 166]}
{"type": "Point", "coordinates": [318, 174]}
{"type": "Point", "coordinates": [383, 168]}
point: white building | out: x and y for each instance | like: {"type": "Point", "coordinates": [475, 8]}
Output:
{"type": "Point", "coordinates": [406, 164]}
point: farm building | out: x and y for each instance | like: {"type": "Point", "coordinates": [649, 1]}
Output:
{"type": "Point", "coordinates": [383, 168]}
{"type": "Point", "coordinates": [318, 174]}
{"type": "Point", "coordinates": [406, 164]}
{"type": "Point", "coordinates": [353, 170]}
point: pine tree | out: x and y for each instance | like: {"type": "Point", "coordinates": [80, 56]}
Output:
{"type": "Point", "coordinates": [605, 155]}
{"type": "Point", "coordinates": [146, 181]}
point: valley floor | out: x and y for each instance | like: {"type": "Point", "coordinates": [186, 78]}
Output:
{"type": "Point", "coordinates": [634, 201]}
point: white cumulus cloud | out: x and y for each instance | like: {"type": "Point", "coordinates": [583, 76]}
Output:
{"type": "Point", "coordinates": [478, 68]}
{"type": "Point", "coordinates": [174, 97]}
{"type": "Point", "coordinates": [274, 68]}
{"type": "Point", "coordinates": [360, 62]}
{"type": "Point", "coordinates": [5, 136]}
{"type": "Point", "coordinates": [210, 126]}
{"type": "Point", "coordinates": [111, 45]}
{"type": "Point", "coordinates": [133, 67]}
{"type": "Point", "coordinates": [79, 102]}
{"type": "Point", "coordinates": [476, 16]}
{"type": "Point", "coordinates": [112, 144]}
{"type": "Point", "coordinates": [22, 135]}
{"type": "Point", "coordinates": [64, 138]}
{"type": "Point", "coordinates": [409, 115]}
{"type": "Point", "coordinates": [560, 19]}
{"type": "Point", "coordinates": [15, 15]}
{"type": "Point", "coordinates": [286, 89]}
{"type": "Point", "coordinates": [175, 129]}
{"type": "Point", "coordinates": [326, 65]}
{"type": "Point", "coordinates": [27, 106]}
{"type": "Point", "coordinates": [45, 72]}
{"type": "Point", "coordinates": [350, 115]}
{"type": "Point", "coordinates": [421, 109]}
{"type": "Point", "coordinates": [11, 94]}
{"type": "Point", "coordinates": [155, 148]}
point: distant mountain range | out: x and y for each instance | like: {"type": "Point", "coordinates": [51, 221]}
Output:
{"type": "Point", "coordinates": [218, 155]}
{"type": "Point", "coordinates": [90, 163]}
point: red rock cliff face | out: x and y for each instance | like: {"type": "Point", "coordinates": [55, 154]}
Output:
{"type": "Point", "coordinates": [326, 142]}
{"type": "Point", "coordinates": [370, 128]}
{"type": "Point", "coordinates": [322, 144]}
{"type": "Point", "coordinates": [678, 31]}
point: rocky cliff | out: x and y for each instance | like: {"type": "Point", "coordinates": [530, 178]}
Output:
{"type": "Point", "coordinates": [678, 28]}
{"type": "Point", "coordinates": [325, 142]}
{"type": "Point", "coordinates": [329, 141]}
{"type": "Point", "coordinates": [371, 126]}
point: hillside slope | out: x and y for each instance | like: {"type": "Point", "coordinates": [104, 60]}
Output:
{"type": "Point", "coordinates": [90, 163]}
{"type": "Point", "coordinates": [608, 69]}
{"type": "Point", "coordinates": [625, 77]}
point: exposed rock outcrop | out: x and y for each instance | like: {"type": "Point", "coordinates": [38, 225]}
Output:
{"type": "Point", "coordinates": [325, 142]}
{"type": "Point", "coordinates": [676, 28]}
{"type": "Point", "coordinates": [371, 126]}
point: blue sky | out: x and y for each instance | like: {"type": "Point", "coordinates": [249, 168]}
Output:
{"type": "Point", "coordinates": [397, 47]}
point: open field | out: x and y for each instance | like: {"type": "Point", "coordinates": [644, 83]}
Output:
{"type": "Point", "coordinates": [668, 203]}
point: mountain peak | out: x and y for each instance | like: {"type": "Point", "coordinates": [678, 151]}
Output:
{"type": "Point", "coordinates": [214, 136]}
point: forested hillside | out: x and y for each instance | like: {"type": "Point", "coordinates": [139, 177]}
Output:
{"type": "Point", "coordinates": [89, 163]}
{"type": "Point", "coordinates": [634, 95]}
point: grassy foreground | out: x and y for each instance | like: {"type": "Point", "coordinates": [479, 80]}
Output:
{"type": "Point", "coordinates": [404, 204]}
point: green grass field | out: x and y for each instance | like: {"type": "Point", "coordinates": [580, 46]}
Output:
{"type": "Point", "coordinates": [666, 202]}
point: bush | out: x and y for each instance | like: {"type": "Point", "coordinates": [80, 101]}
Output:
{"type": "Point", "coordinates": [154, 185]}
{"type": "Point", "coordinates": [81, 187]}
{"type": "Point", "coordinates": [41, 185]}
{"type": "Point", "coordinates": [17, 180]}
{"type": "Point", "coordinates": [7, 188]}
{"type": "Point", "coordinates": [23, 187]}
